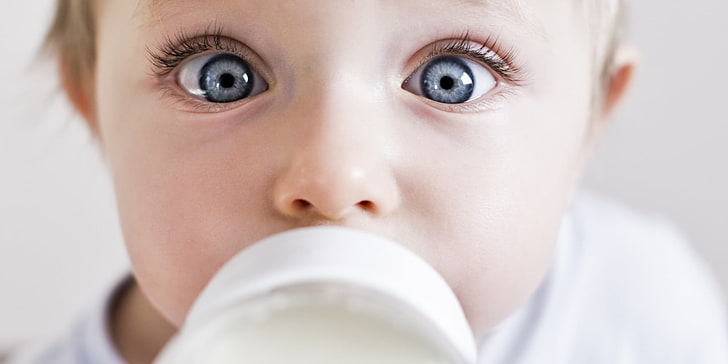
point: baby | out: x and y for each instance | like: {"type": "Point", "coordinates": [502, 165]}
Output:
{"type": "Point", "coordinates": [458, 128]}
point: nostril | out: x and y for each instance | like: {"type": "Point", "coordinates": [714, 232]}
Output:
{"type": "Point", "coordinates": [366, 205]}
{"type": "Point", "coordinates": [300, 204]}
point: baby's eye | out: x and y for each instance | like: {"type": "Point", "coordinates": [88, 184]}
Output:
{"type": "Point", "coordinates": [220, 78]}
{"type": "Point", "coordinates": [450, 80]}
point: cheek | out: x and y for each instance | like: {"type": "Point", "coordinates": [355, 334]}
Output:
{"type": "Point", "coordinates": [188, 205]}
{"type": "Point", "coordinates": [489, 202]}
{"type": "Point", "coordinates": [190, 195]}
{"type": "Point", "coordinates": [492, 234]}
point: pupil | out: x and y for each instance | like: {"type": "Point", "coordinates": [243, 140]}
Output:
{"type": "Point", "coordinates": [447, 82]}
{"type": "Point", "coordinates": [227, 80]}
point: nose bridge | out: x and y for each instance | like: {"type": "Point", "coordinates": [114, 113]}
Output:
{"type": "Point", "coordinates": [337, 158]}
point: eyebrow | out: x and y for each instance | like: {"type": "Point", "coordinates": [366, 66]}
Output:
{"type": "Point", "coordinates": [514, 10]}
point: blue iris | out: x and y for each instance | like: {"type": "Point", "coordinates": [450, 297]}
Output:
{"type": "Point", "coordinates": [226, 78]}
{"type": "Point", "coordinates": [448, 80]}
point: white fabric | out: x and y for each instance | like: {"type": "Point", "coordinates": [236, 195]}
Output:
{"type": "Point", "coordinates": [87, 341]}
{"type": "Point", "coordinates": [622, 289]}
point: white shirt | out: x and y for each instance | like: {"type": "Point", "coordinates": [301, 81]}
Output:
{"type": "Point", "coordinates": [87, 341]}
{"type": "Point", "coordinates": [622, 289]}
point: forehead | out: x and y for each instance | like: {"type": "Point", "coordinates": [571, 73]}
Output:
{"type": "Point", "coordinates": [518, 12]}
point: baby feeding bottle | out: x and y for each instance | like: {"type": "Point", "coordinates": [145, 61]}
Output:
{"type": "Point", "coordinates": [324, 295]}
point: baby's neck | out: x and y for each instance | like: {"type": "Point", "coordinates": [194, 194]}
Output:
{"type": "Point", "coordinates": [138, 330]}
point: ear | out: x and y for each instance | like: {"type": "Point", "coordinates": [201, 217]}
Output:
{"type": "Point", "coordinates": [615, 83]}
{"type": "Point", "coordinates": [618, 78]}
{"type": "Point", "coordinates": [614, 86]}
{"type": "Point", "coordinates": [79, 89]}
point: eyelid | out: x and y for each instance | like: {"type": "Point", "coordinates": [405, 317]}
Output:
{"type": "Point", "coordinates": [168, 58]}
{"type": "Point", "coordinates": [502, 60]}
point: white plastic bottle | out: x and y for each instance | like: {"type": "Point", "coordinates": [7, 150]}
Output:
{"type": "Point", "coordinates": [324, 295]}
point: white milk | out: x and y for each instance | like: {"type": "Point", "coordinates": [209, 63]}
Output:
{"type": "Point", "coordinates": [324, 295]}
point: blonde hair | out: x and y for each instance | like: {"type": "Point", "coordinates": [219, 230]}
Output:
{"type": "Point", "coordinates": [607, 21]}
{"type": "Point", "coordinates": [72, 36]}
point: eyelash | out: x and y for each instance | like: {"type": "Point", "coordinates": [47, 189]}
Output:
{"type": "Point", "coordinates": [175, 50]}
{"type": "Point", "coordinates": [490, 52]}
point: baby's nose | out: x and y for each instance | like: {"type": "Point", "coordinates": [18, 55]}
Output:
{"type": "Point", "coordinates": [335, 170]}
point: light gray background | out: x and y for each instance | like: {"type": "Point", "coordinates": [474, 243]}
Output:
{"type": "Point", "coordinates": [60, 243]}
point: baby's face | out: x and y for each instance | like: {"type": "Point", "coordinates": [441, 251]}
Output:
{"type": "Point", "coordinates": [456, 128]}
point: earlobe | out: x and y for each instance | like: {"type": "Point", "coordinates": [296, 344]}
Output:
{"type": "Point", "coordinates": [79, 90]}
